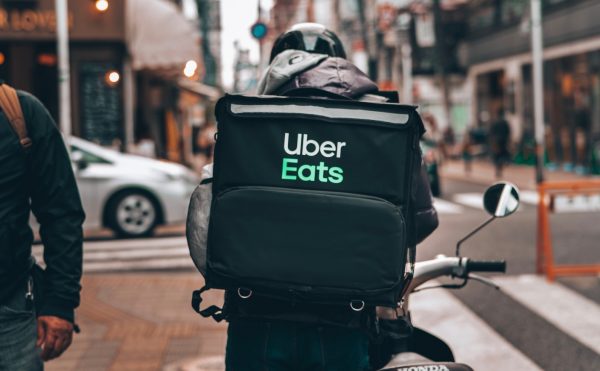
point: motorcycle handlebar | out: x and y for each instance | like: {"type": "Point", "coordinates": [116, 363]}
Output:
{"type": "Point", "coordinates": [451, 266]}
{"type": "Point", "coordinates": [486, 266]}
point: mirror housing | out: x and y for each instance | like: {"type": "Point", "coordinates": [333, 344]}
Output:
{"type": "Point", "coordinates": [501, 199]}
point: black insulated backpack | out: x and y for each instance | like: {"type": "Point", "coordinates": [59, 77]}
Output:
{"type": "Point", "coordinates": [311, 200]}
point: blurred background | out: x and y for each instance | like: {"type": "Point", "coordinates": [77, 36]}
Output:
{"type": "Point", "coordinates": [144, 78]}
{"type": "Point", "coordinates": [145, 74]}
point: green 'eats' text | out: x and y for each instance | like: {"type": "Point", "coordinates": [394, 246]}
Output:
{"type": "Point", "coordinates": [311, 173]}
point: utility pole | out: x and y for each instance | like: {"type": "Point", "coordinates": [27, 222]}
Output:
{"type": "Point", "coordinates": [406, 54]}
{"type": "Point", "coordinates": [64, 75]}
{"type": "Point", "coordinates": [407, 80]}
{"type": "Point", "coordinates": [210, 65]}
{"type": "Point", "coordinates": [538, 87]}
{"type": "Point", "coordinates": [310, 11]}
{"type": "Point", "coordinates": [260, 42]}
{"type": "Point", "coordinates": [335, 7]}
{"type": "Point", "coordinates": [368, 42]}
{"type": "Point", "coordinates": [441, 54]}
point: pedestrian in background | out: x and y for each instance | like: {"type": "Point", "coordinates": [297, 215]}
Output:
{"type": "Point", "coordinates": [449, 140]}
{"type": "Point", "coordinates": [467, 150]}
{"type": "Point", "coordinates": [36, 175]}
{"type": "Point", "coordinates": [206, 142]}
{"type": "Point", "coordinates": [499, 138]}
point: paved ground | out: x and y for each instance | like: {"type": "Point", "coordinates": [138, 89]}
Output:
{"type": "Point", "coordinates": [135, 312]}
{"type": "Point", "coordinates": [140, 321]}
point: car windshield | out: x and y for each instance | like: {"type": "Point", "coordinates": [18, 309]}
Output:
{"type": "Point", "coordinates": [88, 157]}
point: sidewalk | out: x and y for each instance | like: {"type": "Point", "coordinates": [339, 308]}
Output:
{"type": "Point", "coordinates": [482, 172]}
{"type": "Point", "coordinates": [141, 321]}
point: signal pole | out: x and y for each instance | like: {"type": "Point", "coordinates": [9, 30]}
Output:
{"type": "Point", "coordinates": [259, 31]}
{"type": "Point", "coordinates": [538, 87]}
{"type": "Point", "coordinates": [260, 41]}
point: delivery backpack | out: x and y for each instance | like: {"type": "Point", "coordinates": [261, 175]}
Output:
{"type": "Point", "coordinates": [311, 200]}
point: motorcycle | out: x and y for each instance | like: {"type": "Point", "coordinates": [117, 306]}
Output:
{"type": "Point", "coordinates": [413, 349]}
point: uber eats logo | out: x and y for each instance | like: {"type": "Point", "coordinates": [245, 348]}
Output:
{"type": "Point", "coordinates": [294, 169]}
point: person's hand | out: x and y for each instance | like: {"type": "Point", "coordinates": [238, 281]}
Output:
{"type": "Point", "coordinates": [54, 336]}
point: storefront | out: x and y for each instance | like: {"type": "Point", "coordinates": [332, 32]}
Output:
{"type": "Point", "coordinates": [501, 80]}
{"type": "Point", "coordinates": [572, 101]}
{"type": "Point", "coordinates": [28, 61]}
{"type": "Point", "coordinates": [126, 59]}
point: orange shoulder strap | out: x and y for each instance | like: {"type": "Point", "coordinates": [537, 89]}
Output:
{"type": "Point", "coordinates": [9, 103]}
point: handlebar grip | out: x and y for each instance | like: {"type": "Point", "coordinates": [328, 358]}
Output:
{"type": "Point", "coordinates": [486, 266]}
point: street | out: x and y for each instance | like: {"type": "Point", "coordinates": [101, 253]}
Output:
{"type": "Point", "coordinates": [135, 311]}
{"type": "Point", "coordinates": [119, 109]}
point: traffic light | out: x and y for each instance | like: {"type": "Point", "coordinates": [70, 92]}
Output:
{"type": "Point", "coordinates": [259, 30]}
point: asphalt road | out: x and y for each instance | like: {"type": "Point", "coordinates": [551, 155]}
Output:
{"type": "Point", "coordinates": [575, 238]}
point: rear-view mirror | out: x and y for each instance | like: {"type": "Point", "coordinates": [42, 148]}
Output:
{"type": "Point", "coordinates": [501, 199]}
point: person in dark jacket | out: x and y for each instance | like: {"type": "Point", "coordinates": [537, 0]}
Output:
{"type": "Point", "coordinates": [39, 180]}
{"type": "Point", "coordinates": [309, 60]}
{"type": "Point", "coordinates": [499, 142]}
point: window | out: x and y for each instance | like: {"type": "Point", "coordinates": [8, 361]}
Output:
{"type": "Point", "coordinates": [88, 157]}
{"type": "Point", "coordinates": [513, 11]}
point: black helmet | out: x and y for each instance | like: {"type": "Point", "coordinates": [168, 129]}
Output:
{"type": "Point", "coordinates": [310, 37]}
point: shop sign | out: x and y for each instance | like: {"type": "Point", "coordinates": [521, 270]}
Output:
{"type": "Point", "coordinates": [29, 20]}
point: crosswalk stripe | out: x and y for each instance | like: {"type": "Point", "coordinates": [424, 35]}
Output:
{"type": "Point", "coordinates": [126, 255]}
{"type": "Point", "coordinates": [136, 243]}
{"type": "Point", "coordinates": [529, 197]}
{"type": "Point", "coordinates": [136, 254]}
{"type": "Point", "coordinates": [157, 244]}
{"type": "Point", "coordinates": [572, 313]}
{"type": "Point", "coordinates": [472, 340]}
{"type": "Point", "coordinates": [446, 207]}
{"type": "Point", "coordinates": [474, 200]}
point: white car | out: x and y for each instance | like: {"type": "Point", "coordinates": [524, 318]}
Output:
{"type": "Point", "coordinates": [129, 194]}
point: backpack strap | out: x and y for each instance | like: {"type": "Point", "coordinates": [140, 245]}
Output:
{"type": "Point", "coordinates": [9, 103]}
{"type": "Point", "coordinates": [213, 311]}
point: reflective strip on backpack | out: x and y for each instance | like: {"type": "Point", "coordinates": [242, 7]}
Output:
{"type": "Point", "coordinates": [325, 112]}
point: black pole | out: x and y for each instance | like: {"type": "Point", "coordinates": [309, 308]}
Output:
{"type": "Point", "coordinates": [458, 245]}
{"type": "Point", "coordinates": [204, 10]}
{"type": "Point", "coordinates": [364, 31]}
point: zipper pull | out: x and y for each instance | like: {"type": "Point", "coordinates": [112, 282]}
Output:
{"type": "Point", "coordinates": [29, 294]}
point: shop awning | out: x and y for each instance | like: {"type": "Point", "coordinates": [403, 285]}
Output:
{"type": "Point", "coordinates": [196, 87]}
{"type": "Point", "coordinates": [159, 36]}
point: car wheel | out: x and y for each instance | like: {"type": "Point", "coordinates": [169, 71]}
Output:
{"type": "Point", "coordinates": [132, 214]}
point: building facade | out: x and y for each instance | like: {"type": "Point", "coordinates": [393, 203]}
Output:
{"type": "Point", "coordinates": [394, 42]}
{"type": "Point", "coordinates": [131, 81]}
{"type": "Point", "coordinates": [498, 52]}
{"type": "Point", "coordinates": [28, 61]}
